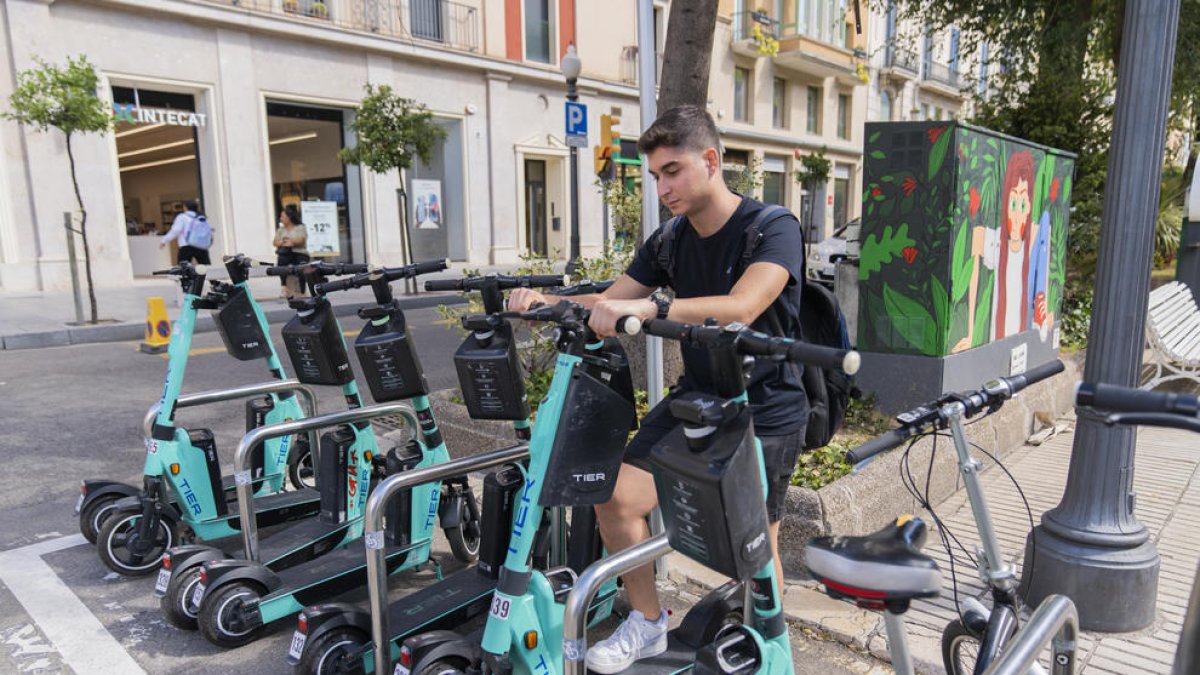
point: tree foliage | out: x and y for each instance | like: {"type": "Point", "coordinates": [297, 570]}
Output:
{"type": "Point", "coordinates": [64, 98]}
{"type": "Point", "coordinates": [392, 131]}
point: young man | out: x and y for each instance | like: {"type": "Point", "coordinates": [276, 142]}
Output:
{"type": "Point", "coordinates": [682, 153]}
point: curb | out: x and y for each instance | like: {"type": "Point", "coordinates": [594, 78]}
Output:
{"type": "Point", "coordinates": [128, 330]}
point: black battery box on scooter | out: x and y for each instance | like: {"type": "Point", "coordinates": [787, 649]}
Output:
{"type": "Point", "coordinates": [589, 443]}
{"type": "Point", "coordinates": [256, 416]}
{"type": "Point", "coordinates": [398, 515]}
{"type": "Point", "coordinates": [203, 440]}
{"type": "Point", "coordinates": [389, 360]}
{"type": "Point", "coordinates": [240, 328]}
{"type": "Point", "coordinates": [316, 348]}
{"type": "Point", "coordinates": [334, 461]}
{"type": "Point", "coordinates": [500, 489]}
{"type": "Point", "coordinates": [491, 377]}
{"type": "Point", "coordinates": [710, 490]}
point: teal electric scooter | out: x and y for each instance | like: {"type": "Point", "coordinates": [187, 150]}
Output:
{"type": "Point", "coordinates": [711, 486]}
{"type": "Point", "coordinates": [184, 494]}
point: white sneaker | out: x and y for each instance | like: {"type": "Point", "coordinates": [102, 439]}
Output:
{"type": "Point", "coordinates": [636, 638]}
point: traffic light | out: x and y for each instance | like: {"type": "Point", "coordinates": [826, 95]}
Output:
{"type": "Point", "coordinates": [610, 143]}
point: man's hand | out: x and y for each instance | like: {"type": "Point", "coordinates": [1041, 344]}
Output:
{"type": "Point", "coordinates": [606, 313]}
{"type": "Point", "coordinates": [521, 299]}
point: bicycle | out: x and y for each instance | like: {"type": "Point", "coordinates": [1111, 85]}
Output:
{"type": "Point", "coordinates": [891, 558]}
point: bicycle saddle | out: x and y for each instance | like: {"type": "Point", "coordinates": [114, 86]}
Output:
{"type": "Point", "coordinates": [883, 568]}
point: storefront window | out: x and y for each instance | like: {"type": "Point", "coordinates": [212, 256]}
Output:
{"type": "Point", "coordinates": [306, 172]}
{"type": "Point", "coordinates": [157, 158]}
{"type": "Point", "coordinates": [437, 199]}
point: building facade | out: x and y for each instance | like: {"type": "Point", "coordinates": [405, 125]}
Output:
{"type": "Point", "coordinates": [243, 106]}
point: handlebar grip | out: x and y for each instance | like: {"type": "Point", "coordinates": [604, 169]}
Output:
{"type": "Point", "coordinates": [629, 325]}
{"type": "Point", "coordinates": [162, 273]}
{"type": "Point", "coordinates": [1037, 374]}
{"type": "Point", "coordinates": [665, 328]}
{"type": "Point", "coordinates": [430, 266]}
{"type": "Point", "coordinates": [336, 285]}
{"type": "Point", "coordinates": [1116, 398]}
{"type": "Point", "coordinates": [276, 271]}
{"type": "Point", "coordinates": [345, 268]}
{"type": "Point", "coordinates": [846, 360]}
{"type": "Point", "coordinates": [881, 443]}
{"type": "Point", "coordinates": [547, 280]}
{"type": "Point", "coordinates": [444, 285]}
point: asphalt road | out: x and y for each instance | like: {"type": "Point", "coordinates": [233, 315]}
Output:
{"type": "Point", "coordinates": [70, 413]}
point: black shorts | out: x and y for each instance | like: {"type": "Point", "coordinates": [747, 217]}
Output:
{"type": "Point", "coordinates": [779, 454]}
{"type": "Point", "coordinates": [194, 254]}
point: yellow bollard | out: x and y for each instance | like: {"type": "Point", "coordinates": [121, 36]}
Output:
{"type": "Point", "coordinates": [158, 327]}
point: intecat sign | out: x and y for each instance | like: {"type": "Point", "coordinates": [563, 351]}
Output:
{"type": "Point", "coordinates": [135, 114]}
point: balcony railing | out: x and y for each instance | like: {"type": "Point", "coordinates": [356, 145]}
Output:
{"type": "Point", "coordinates": [905, 59]}
{"type": "Point", "coordinates": [744, 24]}
{"type": "Point", "coordinates": [939, 72]}
{"type": "Point", "coordinates": [449, 23]}
{"type": "Point", "coordinates": [629, 65]}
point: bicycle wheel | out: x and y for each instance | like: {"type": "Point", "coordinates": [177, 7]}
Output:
{"type": "Point", "coordinates": [960, 649]}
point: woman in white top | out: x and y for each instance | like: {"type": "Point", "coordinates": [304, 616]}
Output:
{"type": "Point", "coordinates": [291, 240]}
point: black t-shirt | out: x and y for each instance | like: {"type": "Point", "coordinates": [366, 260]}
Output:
{"type": "Point", "coordinates": [707, 266]}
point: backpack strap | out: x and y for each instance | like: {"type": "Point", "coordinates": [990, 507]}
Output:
{"type": "Point", "coordinates": [664, 247]}
{"type": "Point", "coordinates": [754, 236]}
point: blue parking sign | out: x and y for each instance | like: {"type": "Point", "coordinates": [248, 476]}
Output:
{"type": "Point", "coordinates": [577, 124]}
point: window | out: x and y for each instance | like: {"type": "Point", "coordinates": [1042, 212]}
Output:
{"type": "Point", "coordinates": [741, 95]}
{"type": "Point", "coordinates": [814, 110]}
{"type": "Point", "coordinates": [843, 116]}
{"type": "Point", "coordinates": [885, 106]}
{"type": "Point", "coordinates": [983, 69]}
{"type": "Point", "coordinates": [733, 165]}
{"type": "Point", "coordinates": [537, 30]}
{"type": "Point", "coordinates": [841, 195]}
{"type": "Point", "coordinates": [774, 179]}
{"type": "Point", "coordinates": [823, 20]}
{"type": "Point", "coordinates": [779, 103]}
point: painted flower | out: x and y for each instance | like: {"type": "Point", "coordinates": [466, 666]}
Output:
{"type": "Point", "coordinates": [908, 185]}
{"type": "Point", "coordinates": [973, 204]}
{"type": "Point", "coordinates": [934, 132]}
{"type": "Point", "coordinates": [875, 191]}
{"type": "Point", "coordinates": [1054, 189]}
{"type": "Point", "coordinates": [962, 150]}
{"type": "Point", "coordinates": [909, 253]}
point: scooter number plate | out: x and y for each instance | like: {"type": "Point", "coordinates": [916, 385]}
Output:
{"type": "Point", "coordinates": [400, 670]}
{"type": "Point", "coordinates": [500, 607]}
{"type": "Point", "coordinates": [79, 505]}
{"type": "Point", "coordinates": [297, 648]}
{"type": "Point", "coordinates": [164, 578]}
{"type": "Point", "coordinates": [197, 595]}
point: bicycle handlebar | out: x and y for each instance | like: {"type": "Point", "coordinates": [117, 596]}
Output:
{"type": "Point", "coordinates": [930, 414]}
{"type": "Point", "coordinates": [1155, 419]}
{"type": "Point", "coordinates": [389, 273]}
{"type": "Point", "coordinates": [754, 343]}
{"type": "Point", "coordinates": [1120, 399]}
{"type": "Point", "coordinates": [503, 281]}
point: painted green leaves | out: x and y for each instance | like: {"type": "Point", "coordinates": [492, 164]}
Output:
{"type": "Point", "coordinates": [881, 250]}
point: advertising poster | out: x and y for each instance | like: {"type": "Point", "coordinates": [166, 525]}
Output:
{"type": "Point", "coordinates": [321, 221]}
{"type": "Point", "coordinates": [427, 204]}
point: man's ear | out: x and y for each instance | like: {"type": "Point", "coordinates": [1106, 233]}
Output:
{"type": "Point", "coordinates": [712, 161]}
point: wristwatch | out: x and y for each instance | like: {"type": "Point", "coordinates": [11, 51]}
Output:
{"type": "Point", "coordinates": [663, 301]}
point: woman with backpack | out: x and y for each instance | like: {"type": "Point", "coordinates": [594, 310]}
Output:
{"type": "Point", "coordinates": [291, 240]}
{"type": "Point", "coordinates": [194, 233]}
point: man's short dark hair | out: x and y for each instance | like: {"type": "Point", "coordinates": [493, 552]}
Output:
{"type": "Point", "coordinates": [688, 127]}
{"type": "Point", "coordinates": [192, 205]}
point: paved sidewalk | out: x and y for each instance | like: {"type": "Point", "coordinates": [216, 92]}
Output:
{"type": "Point", "coordinates": [1167, 481]}
{"type": "Point", "coordinates": [30, 320]}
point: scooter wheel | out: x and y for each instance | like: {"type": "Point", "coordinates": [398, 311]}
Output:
{"type": "Point", "coordinates": [123, 550]}
{"type": "Point", "coordinates": [92, 517]}
{"type": "Point", "coordinates": [220, 617]}
{"type": "Point", "coordinates": [443, 667]}
{"type": "Point", "coordinates": [301, 474]}
{"type": "Point", "coordinates": [464, 539]}
{"type": "Point", "coordinates": [324, 655]}
{"type": "Point", "coordinates": [177, 604]}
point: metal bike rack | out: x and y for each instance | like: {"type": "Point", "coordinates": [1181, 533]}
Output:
{"type": "Point", "coordinates": [247, 391]}
{"type": "Point", "coordinates": [1055, 621]}
{"type": "Point", "coordinates": [373, 535]}
{"type": "Point", "coordinates": [589, 583]}
{"type": "Point", "coordinates": [241, 457]}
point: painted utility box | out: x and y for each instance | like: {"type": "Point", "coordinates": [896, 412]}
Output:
{"type": "Point", "coordinates": [964, 235]}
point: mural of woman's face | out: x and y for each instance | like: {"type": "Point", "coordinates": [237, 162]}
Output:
{"type": "Point", "coordinates": [1019, 208]}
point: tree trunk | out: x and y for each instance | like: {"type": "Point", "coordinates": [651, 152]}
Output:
{"type": "Point", "coordinates": [687, 56]}
{"type": "Point", "coordinates": [87, 254]}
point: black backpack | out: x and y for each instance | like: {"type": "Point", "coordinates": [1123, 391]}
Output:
{"type": "Point", "coordinates": [821, 323]}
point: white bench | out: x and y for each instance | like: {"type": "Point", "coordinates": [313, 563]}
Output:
{"type": "Point", "coordinates": [1172, 336]}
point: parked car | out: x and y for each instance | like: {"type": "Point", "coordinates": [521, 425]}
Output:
{"type": "Point", "coordinates": [823, 256]}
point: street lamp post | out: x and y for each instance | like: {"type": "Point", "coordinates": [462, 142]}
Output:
{"type": "Point", "coordinates": [571, 67]}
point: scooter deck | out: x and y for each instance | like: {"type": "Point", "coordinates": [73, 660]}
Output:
{"type": "Point", "coordinates": [455, 599]}
{"type": "Point", "coordinates": [335, 572]}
